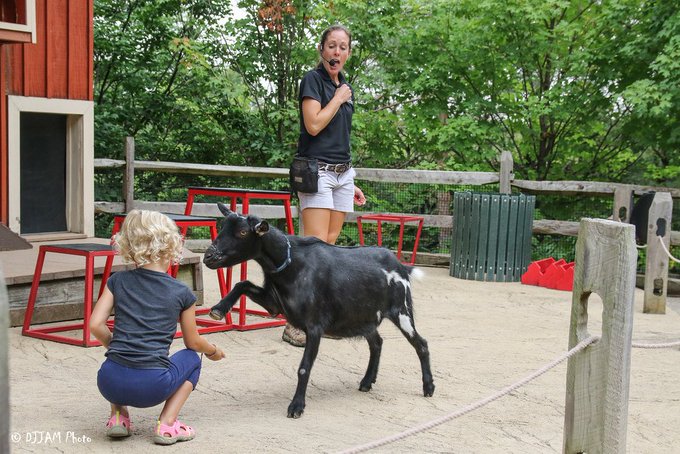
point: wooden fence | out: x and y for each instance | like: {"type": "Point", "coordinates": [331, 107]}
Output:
{"type": "Point", "coordinates": [622, 195]}
{"type": "Point", "coordinates": [505, 179]}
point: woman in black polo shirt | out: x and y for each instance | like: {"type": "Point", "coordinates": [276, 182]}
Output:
{"type": "Point", "coordinates": [326, 108]}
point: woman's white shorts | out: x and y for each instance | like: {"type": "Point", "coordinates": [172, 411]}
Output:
{"type": "Point", "coordinates": [336, 192]}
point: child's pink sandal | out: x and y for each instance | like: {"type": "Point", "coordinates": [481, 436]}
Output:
{"type": "Point", "coordinates": [169, 435]}
{"type": "Point", "coordinates": [118, 426]}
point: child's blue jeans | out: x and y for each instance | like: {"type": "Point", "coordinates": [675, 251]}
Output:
{"type": "Point", "coordinates": [122, 385]}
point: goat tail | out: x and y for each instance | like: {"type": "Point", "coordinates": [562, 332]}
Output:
{"type": "Point", "coordinates": [416, 274]}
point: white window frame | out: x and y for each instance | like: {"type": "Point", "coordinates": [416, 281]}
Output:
{"type": "Point", "coordinates": [28, 27]}
{"type": "Point", "coordinates": [79, 158]}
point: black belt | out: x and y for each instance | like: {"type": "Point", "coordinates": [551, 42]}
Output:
{"type": "Point", "coordinates": [337, 168]}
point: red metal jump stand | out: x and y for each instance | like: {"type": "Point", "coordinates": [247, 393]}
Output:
{"type": "Point", "coordinates": [245, 195]}
{"type": "Point", "coordinates": [89, 251]}
{"type": "Point", "coordinates": [380, 218]}
{"type": "Point", "coordinates": [184, 222]}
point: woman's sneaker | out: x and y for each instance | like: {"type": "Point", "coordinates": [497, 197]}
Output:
{"type": "Point", "coordinates": [295, 337]}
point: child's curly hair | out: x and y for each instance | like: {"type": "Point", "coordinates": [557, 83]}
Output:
{"type": "Point", "coordinates": [149, 237]}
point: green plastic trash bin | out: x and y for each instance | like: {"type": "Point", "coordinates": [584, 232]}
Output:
{"type": "Point", "coordinates": [491, 236]}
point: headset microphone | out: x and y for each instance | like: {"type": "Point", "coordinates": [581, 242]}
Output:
{"type": "Point", "coordinates": [332, 61]}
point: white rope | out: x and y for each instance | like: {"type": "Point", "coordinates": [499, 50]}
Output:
{"type": "Point", "coordinates": [663, 245]}
{"type": "Point", "coordinates": [474, 406]}
{"type": "Point", "coordinates": [665, 345]}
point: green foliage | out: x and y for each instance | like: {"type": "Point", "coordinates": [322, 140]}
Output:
{"type": "Point", "coordinates": [578, 90]}
{"type": "Point", "coordinates": [158, 77]}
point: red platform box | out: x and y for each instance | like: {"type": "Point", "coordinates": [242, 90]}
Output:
{"type": "Point", "coordinates": [566, 281]}
{"type": "Point", "coordinates": [535, 270]}
{"type": "Point", "coordinates": [552, 274]}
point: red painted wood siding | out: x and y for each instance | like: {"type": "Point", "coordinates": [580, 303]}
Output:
{"type": "Point", "coordinates": [59, 65]}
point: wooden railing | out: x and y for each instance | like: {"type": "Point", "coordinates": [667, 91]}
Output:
{"type": "Point", "coordinates": [656, 274]}
{"type": "Point", "coordinates": [504, 179]}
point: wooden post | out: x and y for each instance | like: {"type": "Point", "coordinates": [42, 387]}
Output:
{"type": "Point", "coordinates": [596, 407]}
{"type": "Point", "coordinates": [656, 266]}
{"type": "Point", "coordinates": [129, 178]}
{"type": "Point", "coordinates": [623, 204]}
{"type": "Point", "coordinates": [506, 174]}
{"type": "Point", "coordinates": [4, 367]}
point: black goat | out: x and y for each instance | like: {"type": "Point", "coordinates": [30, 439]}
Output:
{"type": "Point", "coordinates": [321, 289]}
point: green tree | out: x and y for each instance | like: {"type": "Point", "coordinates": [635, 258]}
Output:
{"type": "Point", "coordinates": [159, 77]}
{"type": "Point", "coordinates": [578, 89]}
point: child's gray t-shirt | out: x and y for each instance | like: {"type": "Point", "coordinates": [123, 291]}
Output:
{"type": "Point", "coordinates": [147, 307]}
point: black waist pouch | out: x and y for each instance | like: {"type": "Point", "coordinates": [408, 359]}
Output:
{"type": "Point", "coordinates": [304, 175]}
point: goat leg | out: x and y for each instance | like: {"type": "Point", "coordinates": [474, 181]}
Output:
{"type": "Point", "coordinates": [404, 322]}
{"type": "Point", "coordinates": [257, 294]}
{"type": "Point", "coordinates": [297, 405]}
{"type": "Point", "coordinates": [219, 310]}
{"type": "Point", "coordinates": [375, 347]}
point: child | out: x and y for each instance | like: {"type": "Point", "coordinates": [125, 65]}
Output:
{"type": "Point", "coordinates": [147, 303]}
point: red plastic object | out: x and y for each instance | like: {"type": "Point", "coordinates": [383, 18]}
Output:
{"type": "Point", "coordinates": [552, 274]}
{"type": "Point", "coordinates": [566, 281]}
{"type": "Point", "coordinates": [535, 270]}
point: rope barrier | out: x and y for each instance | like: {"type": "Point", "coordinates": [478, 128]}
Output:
{"type": "Point", "coordinates": [663, 345]}
{"type": "Point", "coordinates": [474, 406]}
{"type": "Point", "coordinates": [663, 245]}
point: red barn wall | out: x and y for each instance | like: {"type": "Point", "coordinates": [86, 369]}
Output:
{"type": "Point", "coordinates": [58, 65]}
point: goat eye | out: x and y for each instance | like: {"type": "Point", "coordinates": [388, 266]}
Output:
{"type": "Point", "coordinates": [242, 233]}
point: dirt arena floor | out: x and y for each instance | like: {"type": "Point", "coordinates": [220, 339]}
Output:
{"type": "Point", "coordinates": [482, 336]}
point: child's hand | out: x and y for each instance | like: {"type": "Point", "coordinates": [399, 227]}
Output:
{"type": "Point", "coordinates": [217, 355]}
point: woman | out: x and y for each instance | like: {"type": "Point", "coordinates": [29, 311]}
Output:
{"type": "Point", "coordinates": [326, 108]}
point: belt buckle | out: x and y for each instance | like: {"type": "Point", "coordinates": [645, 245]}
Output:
{"type": "Point", "coordinates": [341, 168]}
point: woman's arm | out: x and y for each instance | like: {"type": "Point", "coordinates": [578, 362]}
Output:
{"type": "Point", "coordinates": [193, 340]}
{"type": "Point", "coordinates": [100, 315]}
{"type": "Point", "coordinates": [315, 118]}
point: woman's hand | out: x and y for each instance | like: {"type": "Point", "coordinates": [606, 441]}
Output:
{"type": "Point", "coordinates": [343, 93]}
{"type": "Point", "coordinates": [359, 198]}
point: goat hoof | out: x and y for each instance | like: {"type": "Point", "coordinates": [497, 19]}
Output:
{"type": "Point", "coordinates": [428, 389]}
{"type": "Point", "coordinates": [216, 315]}
{"type": "Point", "coordinates": [295, 411]}
{"type": "Point", "coordinates": [366, 385]}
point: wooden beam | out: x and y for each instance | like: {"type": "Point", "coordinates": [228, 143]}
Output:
{"type": "Point", "coordinates": [506, 174]}
{"type": "Point", "coordinates": [596, 408]}
{"type": "Point", "coordinates": [623, 204]}
{"type": "Point", "coordinates": [426, 176]}
{"type": "Point", "coordinates": [586, 187]}
{"type": "Point", "coordinates": [211, 169]}
{"type": "Point", "coordinates": [129, 177]}
{"type": "Point", "coordinates": [656, 263]}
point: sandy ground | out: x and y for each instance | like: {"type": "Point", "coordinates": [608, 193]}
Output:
{"type": "Point", "coordinates": [482, 336]}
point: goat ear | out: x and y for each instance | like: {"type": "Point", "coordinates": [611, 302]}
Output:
{"type": "Point", "coordinates": [223, 208]}
{"type": "Point", "coordinates": [262, 227]}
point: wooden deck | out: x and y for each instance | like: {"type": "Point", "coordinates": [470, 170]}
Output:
{"type": "Point", "coordinates": [60, 294]}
